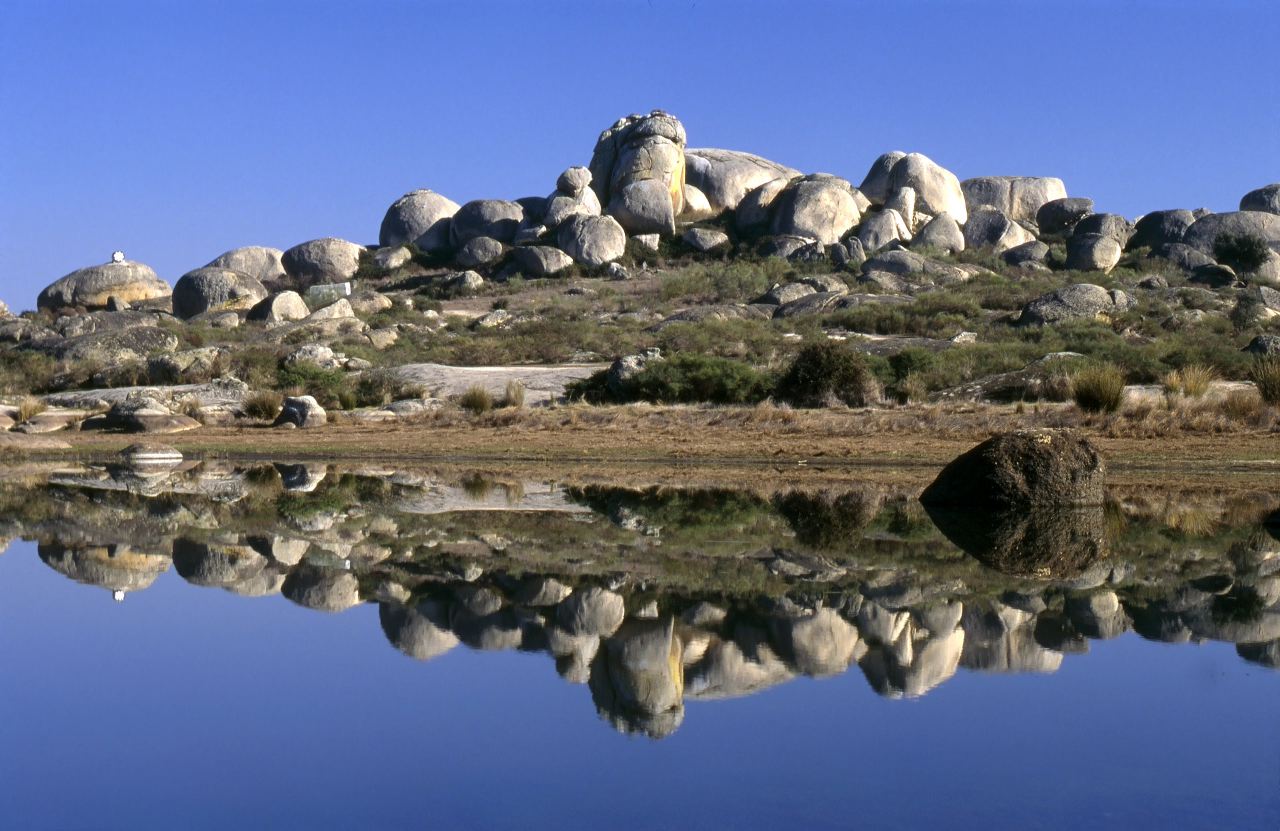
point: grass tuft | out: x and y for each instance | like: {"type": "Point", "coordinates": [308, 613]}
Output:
{"type": "Point", "coordinates": [1098, 388]}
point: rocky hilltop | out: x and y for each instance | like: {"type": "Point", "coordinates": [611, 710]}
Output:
{"type": "Point", "coordinates": [953, 289]}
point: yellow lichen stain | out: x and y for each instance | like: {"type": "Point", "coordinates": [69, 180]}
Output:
{"type": "Point", "coordinates": [676, 185]}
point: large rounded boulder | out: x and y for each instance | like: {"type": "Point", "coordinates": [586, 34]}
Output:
{"type": "Point", "coordinates": [875, 185]}
{"type": "Point", "coordinates": [1093, 252]}
{"type": "Point", "coordinates": [1058, 217]}
{"type": "Point", "coordinates": [725, 176]}
{"type": "Point", "coordinates": [1160, 228]}
{"type": "Point", "coordinates": [93, 287]}
{"type": "Point", "coordinates": [494, 218]}
{"type": "Point", "coordinates": [937, 189]}
{"type": "Point", "coordinates": [259, 262]}
{"type": "Point", "coordinates": [1265, 199]}
{"type": "Point", "coordinates": [215, 290]}
{"type": "Point", "coordinates": [989, 227]}
{"type": "Point", "coordinates": [1082, 301]}
{"type": "Point", "coordinates": [1018, 197]}
{"type": "Point", "coordinates": [322, 261]}
{"type": "Point", "coordinates": [1022, 469]}
{"type": "Point", "coordinates": [637, 149]}
{"type": "Point", "coordinates": [592, 240]}
{"type": "Point", "coordinates": [421, 218]}
{"type": "Point", "coordinates": [1204, 232]}
{"type": "Point", "coordinates": [821, 207]}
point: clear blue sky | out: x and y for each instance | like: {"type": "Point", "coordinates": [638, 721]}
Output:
{"type": "Point", "coordinates": [177, 130]}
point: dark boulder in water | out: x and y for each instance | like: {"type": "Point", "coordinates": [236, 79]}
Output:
{"type": "Point", "coordinates": [1021, 469]}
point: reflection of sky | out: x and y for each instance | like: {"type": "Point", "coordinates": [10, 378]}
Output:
{"type": "Point", "coordinates": [264, 714]}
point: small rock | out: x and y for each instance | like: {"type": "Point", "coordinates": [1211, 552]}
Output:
{"type": "Point", "coordinates": [478, 251]}
{"type": "Point", "coordinates": [705, 240]}
{"type": "Point", "coordinates": [301, 411]}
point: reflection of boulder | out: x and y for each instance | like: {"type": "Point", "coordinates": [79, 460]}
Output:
{"type": "Point", "coordinates": [637, 680]}
{"type": "Point", "coordinates": [1238, 616]}
{"type": "Point", "coordinates": [1031, 542]}
{"type": "Point", "coordinates": [928, 663]}
{"type": "Point", "coordinates": [479, 600]}
{"type": "Point", "coordinates": [830, 520]}
{"type": "Point", "coordinates": [878, 625]}
{"type": "Point", "coordinates": [321, 588]}
{"type": "Point", "coordinates": [301, 478]}
{"type": "Point", "coordinates": [1021, 468]}
{"type": "Point", "coordinates": [573, 653]}
{"type": "Point", "coordinates": [491, 633]}
{"type": "Point", "coordinates": [741, 666]}
{"type": "Point", "coordinates": [1002, 639]}
{"type": "Point", "coordinates": [237, 568]}
{"type": "Point", "coordinates": [418, 631]}
{"type": "Point", "coordinates": [593, 611]}
{"type": "Point", "coordinates": [537, 591]}
{"type": "Point", "coordinates": [1267, 654]}
{"type": "Point", "coordinates": [1098, 615]}
{"type": "Point", "coordinates": [116, 567]}
{"type": "Point", "coordinates": [1156, 623]}
{"type": "Point", "coordinates": [818, 645]}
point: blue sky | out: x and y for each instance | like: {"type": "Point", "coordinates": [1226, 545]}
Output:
{"type": "Point", "coordinates": [177, 130]}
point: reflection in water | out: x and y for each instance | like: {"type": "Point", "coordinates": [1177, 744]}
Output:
{"type": "Point", "coordinates": [656, 597]}
{"type": "Point", "coordinates": [1028, 542]}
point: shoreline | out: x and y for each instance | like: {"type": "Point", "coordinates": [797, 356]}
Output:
{"type": "Point", "coordinates": [908, 444]}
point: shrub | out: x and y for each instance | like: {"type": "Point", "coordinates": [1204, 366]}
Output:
{"type": "Point", "coordinates": [1265, 374]}
{"type": "Point", "coordinates": [26, 371]}
{"type": "Point", "coordinates": [1242, 405]}
{"type": "Point", "coordinates": [513, 396]}
{"type": "Point", "coordinates": [263, 405]}
{"type": "Point", "coordinates": [1098, 388]}
{"type": "Point", "coordinates": [379, 386]}
{"type": "Point", "coordinates": [30, 406]}
{"type": "Point", "coordinates": [476, 400]}
{"type": "Point", "coordinates": [593, 389]}
{"type": "Point", "coordinates": [1243, 252]}
{"type": "Point", "coordinates": [824, 371]}
{"type": "Point", "coordinates": [695, 379]}
{"type": "Point", "coordinates": [1192, 380]}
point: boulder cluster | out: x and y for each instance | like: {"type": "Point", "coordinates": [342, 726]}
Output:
{"type": "Point", "coordinates": [645, 195]}
{"type": "Point", "coordinates": [644, 184]}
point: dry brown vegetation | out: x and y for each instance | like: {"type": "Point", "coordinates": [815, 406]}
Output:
{"type": "Point", "coordinates": [1199, 434]}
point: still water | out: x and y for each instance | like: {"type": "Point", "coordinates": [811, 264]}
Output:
{"type": "Point", "coordinates": [309, 646]}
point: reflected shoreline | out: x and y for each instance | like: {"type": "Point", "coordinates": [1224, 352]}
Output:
{"type": "Point", "coordinates": [655, 596]}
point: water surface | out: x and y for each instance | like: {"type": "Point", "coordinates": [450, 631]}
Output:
{"type": "Point", "coordinates": [324, 647]}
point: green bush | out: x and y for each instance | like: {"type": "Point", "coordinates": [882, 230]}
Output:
{"type": "Point", "coordinates": [1243, 252]}
{"type": "Point", "coordinates": [696, 379]}
{"type": "Point", "coordinates": [826, 371]}
{"type": "Point", "coordinates": [1265, 373]}
{"type": "Point", "coordinates": [1098, 388]}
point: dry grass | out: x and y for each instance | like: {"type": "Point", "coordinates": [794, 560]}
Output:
{"type": "Point", "coordinates": [264, 405]}
{"type": "Point", "coordinates": [513, 396]}
{"type": "Point", "coordinates": [1265, 374]}
{"type": "Point", "coordinates": [1191, 381]}
{"type": "Point", "coordinates": [476, 400]}
{"type": "Point", "coordinates": [1098, 388]}
{"type": "Point", "coordinates": [30, 406]}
